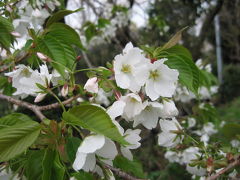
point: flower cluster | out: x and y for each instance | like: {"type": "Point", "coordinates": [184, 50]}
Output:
{"type": "Point", "coordinates": [27, 81]}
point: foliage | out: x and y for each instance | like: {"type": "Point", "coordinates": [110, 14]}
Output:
{"type": "Point", "coordinates": [142, 93]}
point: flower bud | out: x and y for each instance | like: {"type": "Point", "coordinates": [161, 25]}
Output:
{"type": "Point", "coordinates": [117, 94]}
{"type": "Point", "coordinates": [39, 97]}
{"type": "Point", "coordinates": [16, 34]}
{"type": "Point", "coordinates": [43, 57]}
{"type": "Point", "coordinates": [64, 91]}
{"type": "Point", "coordinates": [9, 9]}
{"type": "Point", "coordinates": [79, 58]}
{"type": "Point", "coordinates": [91, 85]}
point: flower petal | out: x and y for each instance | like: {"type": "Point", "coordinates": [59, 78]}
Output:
{"type": "Point", "coordinates": [91, 143]}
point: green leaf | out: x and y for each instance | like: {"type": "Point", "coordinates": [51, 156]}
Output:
{"type": "Point", "coordinates": [102, 22]}
{"type": "Point", "coordinates": [12, 119]}
{"type": "Point", "coordinates": [8, 89]}
{"type": "Point", "coordinates": [71, 147]}
{"type": "Point", "coordinates": [90, 31]}
{"type": "Point", "coordinates": [207, 79]}
{"type": "Point", "coordinates": [65, 33]}
{"type": "Point", "coordinates": [188, 71]}
{"type": "Point", "coordinates": [62, 54]}
{"type": "Point", "coordinates": [52, 167]}
{"type": "Point", "coordinates": [174, 40]}
{"type": "Point", "coordinates": [231, 130]}
{"type": "Point", "coordinates": [16, 139]}
{"type": "Point", "coordinates": [3, 81]}
{"type": "Point", "coordinates": [33, 167]}
{"type": "Point", "coordinates": [60, 15]}
{"type": "Point", "coordinates": [6, 28]}
{"type": "Point", "coordinates": [180, 50]}
{"type": "Point", "coordinates": [95, 119]}
{"type": "Point", "coordinates": [134, 167]}
{"type": "Point", "coordinates": [83, 175]}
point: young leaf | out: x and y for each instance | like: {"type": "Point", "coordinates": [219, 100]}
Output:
{"type": "Point", "coordinates": [12, 119]}
{"type": "Point", "coordinates": [60, 15]}
{"type": "Point", "coordinates": [174, 40]}
{"type": "Point", "coordinates": [95, 119]}
{"type": "Point", "coordinates": [17, 138]}
{"type": "Point", "coordinates": [52, 167]}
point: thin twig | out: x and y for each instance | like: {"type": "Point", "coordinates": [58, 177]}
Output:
{"type": "Point", "coordinates": [230, 166]}
{"type": "Point", "coordinates": [121, 173]}
{"type": "Point", "coordinates": [57, 105]}
{"type": "Point", "coordinates": [86, 59]}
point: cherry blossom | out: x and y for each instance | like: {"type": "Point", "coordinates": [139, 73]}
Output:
{"type": "Point", "coordinates": [130, 68]}
{"type": "Point", "coordinates": [90, 147]}
{"type": "Point", "coordinates": [170, 135]}
{"type": "Point", "coordinates": [128, 106]}
{"type": "Point", "coordinates": [149, 115]}
{"type": "Point", "coordinates": [161, 80]}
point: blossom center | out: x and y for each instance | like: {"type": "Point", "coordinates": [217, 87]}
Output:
{"type": "Point", "coordinates": [154, 74]}
{"type": "Point", "coordinates": [126, 68]}
{"type": "Point", "coordinates": [25, 72]}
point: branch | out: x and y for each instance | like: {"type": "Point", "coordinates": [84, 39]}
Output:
{"type": "Point", "coordinates": [121, 173]}
{"type": "Point", "coordinates": [16, 61]}
{"type": "Point", "coordinates": [230, 166]}
{"type": "Point", "coordinates": [57, 105]}
{"type": "Point", "coordinates": [27, 105]}
{"type": "Point", "coordinates": [86, 59]}
{"type": "Point", "coordinates": [34, 108]}
{"type": "Point", "coordinates": [206, 25]}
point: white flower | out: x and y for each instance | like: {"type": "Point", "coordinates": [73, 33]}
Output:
{"type": "Point", "coordinates": [191, 122]}
{"type": "Point", "coordinates": [208, 68]}
{"type": "Point", "coordinates": [16, 75]}
{"type": "Point", "coordinates": [24, 79]}
{"type": "Point", "coordinates": [183, 94]}
{"type": "Point", "coordinates": [172, 156]}
{"type": "Point", "coordinates": [198, 171]}
{"type": "Point", "coordinates": [199, 63]}
{"type": "Point", "coordinates": [132, 136]}
{"type": "Point", "coordinates": [235, 143]}
{"type": "Point", "coordinates": [169, 136]}
{"type": "Point", "coordinates": [130, 68]}
{"type": "Point", "coordinates": [209, 129]}
{"type": "Point", "coordinates": [161, 80]}
{"type": "Point", "coordinates": [149, 115]}
{"type": "Point", "coordinates": [128, 106]}
{"type": "Point", "coordinates": [169, 109]}
{"type": "Point", "coordinates": [190, 154]}
{"type": "Point", "coordinates": [91, 85]}
{"type": "Point", "coordinates": [90, 147]}
{"type": "Point", "coordinates": [57, 77]}
{"type": "Point", "coordinates": [204, 93]}
{"type": "Point", "coordinates": [102, 97]}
